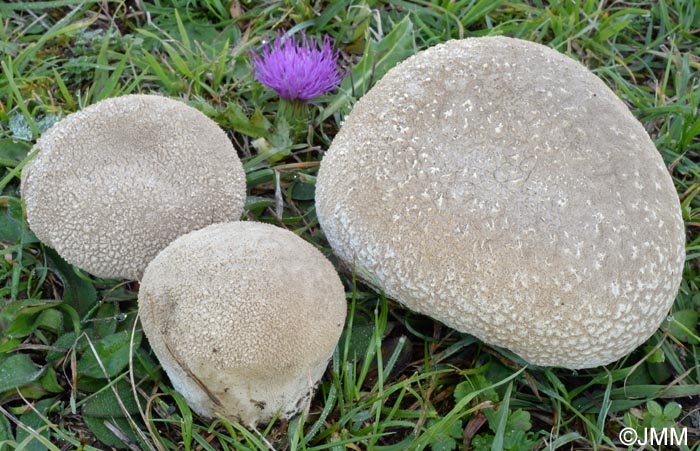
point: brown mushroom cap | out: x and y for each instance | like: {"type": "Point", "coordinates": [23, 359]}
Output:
{"type": "Point", "coordinates": [114, 183]}
{"type": "Point", "coordinates": [243, 317]}
{"type": "Point", "coordinates": [501, 188]}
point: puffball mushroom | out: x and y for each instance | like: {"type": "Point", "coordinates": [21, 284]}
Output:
{"type": "Point", "coordinates": [501, 188]}
{"type": "Point", "coordinates": [116, 182]}
{"type": "Point", "coordinates": [243, 317]}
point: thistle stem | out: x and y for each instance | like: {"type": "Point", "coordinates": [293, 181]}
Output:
{"type": "Point", "coordinates": [295, 113]}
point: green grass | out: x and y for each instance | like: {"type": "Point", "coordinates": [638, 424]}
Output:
{"type": "Point", "coordinates": [75, 371]}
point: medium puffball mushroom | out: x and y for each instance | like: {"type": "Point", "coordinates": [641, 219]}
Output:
{"type": "Point", "coordinates": [501, 188]}
{"type": "Point", "coordinates": [114, 183]}
{"type": "Point", "coordinates": [243, 317]}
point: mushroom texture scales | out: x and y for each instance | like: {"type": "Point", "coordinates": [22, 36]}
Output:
{"type": "Point", "coordinates": [114, 183]}
{"type": "Point", "coordinates": [243, 317]}
{"type": "Point", "coordinates": [501, 188]}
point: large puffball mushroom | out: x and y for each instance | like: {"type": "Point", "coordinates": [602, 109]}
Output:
{"type": "Point", "coordinates": [114, 183]}
{"type": "Point", "coordinates": [243, 317]}
{"type": "Point", "coordinates": [501, 188]}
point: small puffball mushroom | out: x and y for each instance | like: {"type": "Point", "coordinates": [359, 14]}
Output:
{"type": "Point", "coordinates": [243, 317]}
{"type": "Point", "coordinates": [114, 183]}
{"type": "Point", "coordinates": [501, 188]}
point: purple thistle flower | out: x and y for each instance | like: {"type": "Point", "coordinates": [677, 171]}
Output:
{"type": "Point", "coordinates": [298, 70]}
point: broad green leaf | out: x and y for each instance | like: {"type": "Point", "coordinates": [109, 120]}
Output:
{"type": "Point", "coordinates": [21, 326]}
{"type": "Point", "coordinates": [482, 442]}
{"type": "Point", "coordinates": [657, 356]}
{"type": "Point", "coordinates": [516, 440]}
{"type": "Point", "coordinates": [519, 420]}
{"type": "Point", "coordinates": [112, 353]}
{"type": "Point", "coordinates": [259, 121]}
{"type": "Point", "coordinates": [50, 320]}
{"type": "Point", "coordinates": [444, 440]}
{"type": "Point", "coordinates": [26, 306]}
{"type": "Point", "coordinates": [17, 371]}
{"type": "Point", "coordinates": [360, 339]}
{"type": "Point", "coordinates": [474, 383]}
{"type": "Point", "coordinates": [34, 421]}
{"type": "Point", "coordinates": [659, 372]}
{"type": "Point", "coordinates": [9, 48]}
{"type": "Point", "coordinates": [65, 342]}
{"type": "Point", "coordinates": [90, 384]}
{"type": "Point", "coordinates": [672, 410]}
{"type": "Point", "coordinates": [48, 121]}
{"type": "Point", "coordinates": [5, 433]}
{"type": "Point", "coordinates": [280, 139]}
{"type": "Point", "coordinates": [13, 228]}
{"type": "Point", "coordinates": [77, 293]}
{"type": "Point", "coordinates": [13, 151]}
{"type": "Point", "coordinates": [234, 118]}
{"type": "Point", "coordinates": [654, 409]}
{"type": "Point", "coordinates": [105, 321]}
{"type": "Point", "coordinates": [684, 326]}
{"type": "Point", "coordinates": [49, 381]}
{"type": "Point", "coordinates": [104, 435]}
{"type": "Point", "coordinates": [7, 345]}
{"type": "Point", "coordinates": [22, 316]}
{"type": "Point", "coordinates": [19, 127]}
{"type": "Point", "coordinates": [303, 191]}
{"type": "Point", "coordinates": [105, 405]}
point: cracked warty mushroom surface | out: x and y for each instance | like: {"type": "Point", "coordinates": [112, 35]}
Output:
{"type": "Point", "coordinates": [501, 188]}
{"type": "Point", "coordinates": [114, 183]}
{"type": "Point", "coordinates": [243, 317]}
